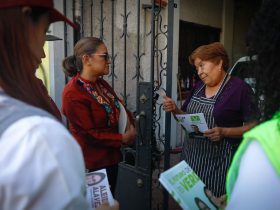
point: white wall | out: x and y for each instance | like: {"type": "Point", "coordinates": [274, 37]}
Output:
{"type": "Point", "coordinates": [56, 50]}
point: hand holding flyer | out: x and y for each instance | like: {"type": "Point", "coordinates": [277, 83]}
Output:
{"type": "Point", "coordinates": [186, 188]}
{"type": "Point", "coordinates": [193, 123]}
{"type": "Point", "coordinates": [98, 191]}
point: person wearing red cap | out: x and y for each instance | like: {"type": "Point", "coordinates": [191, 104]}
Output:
{"type": "Point", "coordinates": [41, 164]}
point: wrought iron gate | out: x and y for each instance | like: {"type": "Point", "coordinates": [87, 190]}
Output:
{"type": "Point", "coordinates": [138, 34]}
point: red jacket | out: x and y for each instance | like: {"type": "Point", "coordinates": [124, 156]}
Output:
{"type": "Point", "coordinates": [88, 122]}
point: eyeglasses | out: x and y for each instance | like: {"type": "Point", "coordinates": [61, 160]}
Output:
{"type": "Point", "coordinates": [106, 56]}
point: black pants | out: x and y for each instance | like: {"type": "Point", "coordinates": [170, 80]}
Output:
{"type": "Point", "coordinates": [112, 173]}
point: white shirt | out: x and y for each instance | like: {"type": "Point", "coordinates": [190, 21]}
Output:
{"type": "Point", "coordinates": [258, 185]}
{"type": "Point", "coordinates": [41, 167]}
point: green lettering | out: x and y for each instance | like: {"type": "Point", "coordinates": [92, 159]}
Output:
{"type": "Point", "coordinates": [177, 177]}
{"type": "Point", "coordinates": [189, 181]}
{"type": "Point", "coordinates": [185, 183]}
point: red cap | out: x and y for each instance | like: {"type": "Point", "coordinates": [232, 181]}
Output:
{"type": "Point", "coordinates": [54, 15]}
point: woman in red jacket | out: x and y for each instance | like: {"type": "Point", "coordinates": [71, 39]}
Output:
{"type": "Point", "coordinates": [93, 108]}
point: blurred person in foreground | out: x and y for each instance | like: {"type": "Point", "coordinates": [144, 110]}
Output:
{"type": "Point", "coordinates": [93, 108]}
{"type": "Point", "coordinates": [253, 181]}
{"type": "Point", "coordinates": [229, 109]}
{"type": "Point", "coordinates": [56, 111]}
{"type": "Point", "coordinates": [35, 148]}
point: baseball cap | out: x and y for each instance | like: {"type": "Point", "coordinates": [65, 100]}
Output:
{"type": "Point", "coordinates": [54, 15]}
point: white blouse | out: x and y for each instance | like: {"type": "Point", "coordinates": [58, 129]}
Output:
{"type": "Point", "coordinates": [41, 167]}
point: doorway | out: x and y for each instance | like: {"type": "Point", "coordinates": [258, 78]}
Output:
{"type": "Point", "coordinates": [191, 36]}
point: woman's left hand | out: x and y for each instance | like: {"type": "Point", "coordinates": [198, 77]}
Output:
{"type": "Point", "coordinates": [215, 134]}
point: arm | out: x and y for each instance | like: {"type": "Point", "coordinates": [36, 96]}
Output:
{"type": "Point", "coordinates": [249, 112]}
{"type": "Point", "coordinates": [237, 132]}
{"type": "Point", "coordinates": [80, 115]}
{"type": "Point", "coordinates": [217, 133]}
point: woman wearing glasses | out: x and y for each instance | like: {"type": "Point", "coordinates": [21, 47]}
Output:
{"type": "Point", "coordinates": [93, 108]}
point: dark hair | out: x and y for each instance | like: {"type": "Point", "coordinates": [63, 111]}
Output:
{"type": "Point", "coordinates": [17, 72]}
{"type": "Point", "coordinates": [37, 12]}
{"type": "Point", "coordinates": [264, 40]}
{"type": "Point", "coordinates": [213, 52]}
{"type": "Point", "coordinates": [85, 46]}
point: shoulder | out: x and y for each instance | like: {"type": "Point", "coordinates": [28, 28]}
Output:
{"type": "Point", "coordinates": [37, 132]}
{"type": "Point", "coordinates": [237, 83]}
{"type": "Point", "coordinates": [40, 143]}
{"type": "Point", "coordinates": [71, 84]}
{"type": "Point", "coordinates": [257, 185]}
{"type": "Point", "coordinates": [237, 88]}
{"type": "Point", "coordinates": [43, 148]}
{"type": "Point", "coordinates": [254, 152]}
{"type": "Point", "coordinates": [72, 89]}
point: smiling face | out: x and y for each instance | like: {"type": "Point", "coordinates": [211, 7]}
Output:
{"type": "Point", "coordinates": [209, 72]}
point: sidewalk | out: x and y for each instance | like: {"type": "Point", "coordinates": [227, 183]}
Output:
{"type": "Point", "coordinates": [157, 195]}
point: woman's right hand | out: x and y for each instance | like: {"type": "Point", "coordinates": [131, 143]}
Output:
{"type": "Point", "coordinates": [170, 106]}
{"type": "Point", "coordinates": [129, 135]}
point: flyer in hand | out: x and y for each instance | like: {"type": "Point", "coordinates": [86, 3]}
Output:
{"type": "Point", "coordinates": [98, 190]}
{"type": "Point", "coordinates": [193, 123]}
{"type": "Point", "coordinates": [186, 187]}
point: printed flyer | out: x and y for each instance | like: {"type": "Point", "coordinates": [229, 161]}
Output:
{"type": "Point", "coordinates": [98, 190]}
{"type": "Point", "coordinates": [193, 123]}
{"type": "Point", "coordinates": [186, 188]}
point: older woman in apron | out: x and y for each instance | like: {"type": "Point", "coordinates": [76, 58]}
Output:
{"type": "Point", "coordinates": [229, 110]}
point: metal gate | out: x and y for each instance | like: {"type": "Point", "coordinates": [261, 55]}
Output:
{"type": "Point", "coordinates": [138, 35]}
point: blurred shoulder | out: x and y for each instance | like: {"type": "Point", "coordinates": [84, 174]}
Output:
{"type": "Point", "coordinates": [239, 84]}
{"type": "Point", "coordinates": [237, 81]}
{"type": "Point", "coordinates": [38, 129]}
